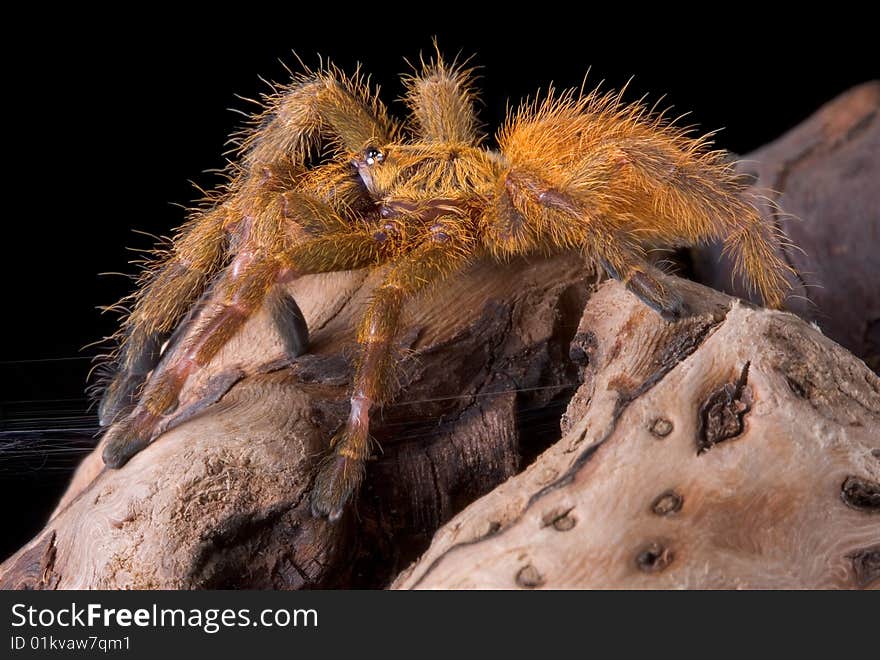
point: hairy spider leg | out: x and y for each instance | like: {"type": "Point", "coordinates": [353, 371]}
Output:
{"type": "Point", "coordinates": [444, 250]}
{"type": "Point", "coordinates": [633, 180]}
{"type": "Point", "coordinates": [530, 214]}
{"type": "Point", "coordinates": [167, 294]}
{"type": "Point", "coordinates": [756, 249]}
{"type": "Point", "coordinates": [319, 105]}
{"type": "Point", "coordinates": [697, 196]}
{"type": "Point", "coordinates": [251, 278]}
{"type": "Point", "coordinates": [441, 100]}
{"type": "Point", "coordinates": [327, 105]}
{"type": "Point", "coordinates": [240, 291]}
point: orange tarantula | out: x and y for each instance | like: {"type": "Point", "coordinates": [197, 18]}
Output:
{"type": "Point", "coordinates": [326, 180]}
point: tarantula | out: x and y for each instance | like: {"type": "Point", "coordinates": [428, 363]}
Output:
{"type": "Point", "coordinates": [326, 180]}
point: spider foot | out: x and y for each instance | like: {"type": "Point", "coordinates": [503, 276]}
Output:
{"type": "Point", "coordinates": [664, 300]}
{"type": "Point", "coordinates": [339, 477]}
{"type": "Point", "coordinates": [129, 437]}
{"type": "Point", "coordinates": [140, 356]}
{"type": "Point", "coordinates": [119, 397]}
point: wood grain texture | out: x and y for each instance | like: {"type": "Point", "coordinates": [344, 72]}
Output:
{"type": "Point", "coordinates": [221, 499]}
{"type": "Point", "coordinates": [786, 494]}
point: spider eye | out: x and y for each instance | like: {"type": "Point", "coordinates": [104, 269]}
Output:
{"type": "Point", "coordinates": [373, 155]}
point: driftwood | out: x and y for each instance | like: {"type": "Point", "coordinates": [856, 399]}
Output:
{"type": "Point", "coordinates": [221, 501]}
{"type": "Point", "coordinates": [781, 492]}
{"type": "Point", "coordinates": [734, 449]}
{"type": "Point", "coordinates": [823, 174]}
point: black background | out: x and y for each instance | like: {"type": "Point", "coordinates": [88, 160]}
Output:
{"type": "Point", "coordinates": [108, 119]}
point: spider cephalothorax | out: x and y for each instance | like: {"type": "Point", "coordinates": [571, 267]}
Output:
{"type": "Point", "coordinates": [326, 181]}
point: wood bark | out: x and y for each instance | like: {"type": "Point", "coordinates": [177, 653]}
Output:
{"type": "Point", "coordinates": [737, 447]}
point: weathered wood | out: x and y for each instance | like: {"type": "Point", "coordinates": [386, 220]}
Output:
{"type": "Point", "coordinates": [221, 500]}
{"type": "Point", "coordinates": [739, 448]}
{"type": "Point", "coordinates": [823, 174]}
